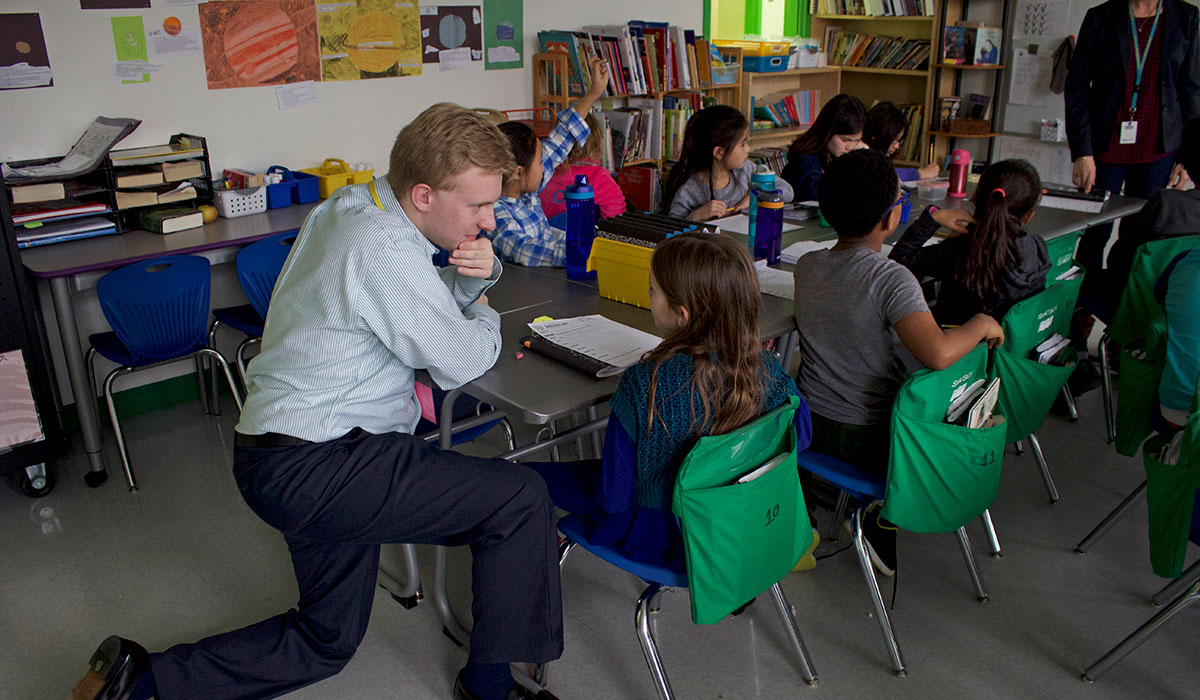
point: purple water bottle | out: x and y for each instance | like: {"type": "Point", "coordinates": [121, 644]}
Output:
{"type": "Point", "coordinates": [581, 228]}
{"type": "Point", "coordinates": [768, 231]}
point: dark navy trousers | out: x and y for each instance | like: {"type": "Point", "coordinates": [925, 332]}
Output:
{"type": "Point", "coordinates": [335, 502]}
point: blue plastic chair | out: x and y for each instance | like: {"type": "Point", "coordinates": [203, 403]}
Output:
{"type": "Point", "coordinates": [258, 268]}
{"type": "Point", "coordinates": [158, 311]}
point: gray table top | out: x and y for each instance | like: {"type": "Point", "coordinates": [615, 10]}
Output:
{"type": "Point", "coordinates": [110, 252]}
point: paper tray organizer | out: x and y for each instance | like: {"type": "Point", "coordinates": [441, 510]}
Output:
{"type": "Point", "coordinates": [335, 173]}
{"type": "Point", "coordinates": [296, 188]}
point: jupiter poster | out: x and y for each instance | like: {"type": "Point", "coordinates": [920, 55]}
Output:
{"type": "Point", "coordinates": [259, 42]}
{"type": "Point", "coordinates": [363, 39]}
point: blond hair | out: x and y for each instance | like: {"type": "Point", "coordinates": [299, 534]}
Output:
{"type": "Point", "coordinates": [442, 142]}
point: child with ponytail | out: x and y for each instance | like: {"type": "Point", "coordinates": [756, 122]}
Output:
{"type": "Point", "coordinates": [712, 175]}
{"type": "Point", "coordinates": [995, 263]}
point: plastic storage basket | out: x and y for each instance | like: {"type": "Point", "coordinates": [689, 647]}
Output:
{"type": "Point", "coordinates": [296, 188]}
{"type": "Point", "coordinates": [234, 203]}
{"type": "Point", "coordinates": [335, 173]}
{"type": "Point", "coordinates": [622, 271]}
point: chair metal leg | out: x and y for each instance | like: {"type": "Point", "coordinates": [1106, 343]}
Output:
{"type": "Point", "coordinates": [990, 529]}
{"type": "Point", "coordinates": [90, 359]}
{"type": "Point", "coordinates": [1069, 400]}
{"type": "Point", "coordinates": [1109, 520]}
{"type": "Point", "coordinates": [214, 404]}
{"type": "Point", "coordinates": [1190, 576]}
{"type": "Point", "coordinates": [219, 359]}
{"type": "Point", "coordinates": [793, 632]}
{"type": "Point", "coordinates": [1051, 489]}
{"type": "Point", "coordinates": [407, 594]}
{"type": "Point", "coordinates": [554, 453]}
{"type": "Point", "coordinates": [964, 543]}
{"type": "Point", "coordinates": [885, 623]}
{"type": "Point", "coordinates": [834, 529]}
{"type": "Point", "coordinates": [564, 548]}
{"type": "Point", "coordinates": [641, 620]}
{"type": "Point", "coordinates": [510, 437]}
{"type": "Point", "coordinates": [1019, 448]}
{"type": "Point", "coordinates": [1141, 634]}
{"type": "Point", "coordinates": [1110, 421]}
{"type": "Point", "coordinates": [239, 357]}
{"type": "Point", "coordinates": [116, 424]}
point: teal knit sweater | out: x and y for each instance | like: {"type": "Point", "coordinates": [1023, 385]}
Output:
{"type": "Point", "coordinates": [660, 452]}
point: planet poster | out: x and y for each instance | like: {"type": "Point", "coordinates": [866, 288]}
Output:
{"type": "Point", "coordinates": [259, 42]}
{"type": "Point", "coordinates": [447, 27]}
{"type": "Point", "coordinates": [366, 39]}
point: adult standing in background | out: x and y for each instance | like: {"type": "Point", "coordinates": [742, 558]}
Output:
{"type": "Point", "coordinates": [1133, 83]}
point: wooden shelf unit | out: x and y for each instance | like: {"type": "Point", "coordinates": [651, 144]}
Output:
{"type": "Point", "coordinates": [900, 86]}
{"type": "Point", "coordinates": [759, 85]}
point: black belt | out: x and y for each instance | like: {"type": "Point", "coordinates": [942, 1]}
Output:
{"type": "Point", "coordinates": [269, 440]}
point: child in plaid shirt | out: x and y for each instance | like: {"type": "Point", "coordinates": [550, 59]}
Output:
{"type": "Point", "coordinates": [523, 235]}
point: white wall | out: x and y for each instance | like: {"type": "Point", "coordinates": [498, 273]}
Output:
{"type": "Point", "coordinates": [353, 120]}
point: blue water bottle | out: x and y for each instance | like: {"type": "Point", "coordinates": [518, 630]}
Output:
{"type": "Point", "coordinates": [762, 179]}
{"type": "Point", "coordinates": [768, 233]}
{"type": "Point", "coordinates": [581, 227]}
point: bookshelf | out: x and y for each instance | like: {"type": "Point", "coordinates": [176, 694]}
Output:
{"type": "Point", "coordinates": [900, 86]}
{"type": "Point", "coordinates": [948, 81]}
{"type": "Point", "coordinates": [756, 86]}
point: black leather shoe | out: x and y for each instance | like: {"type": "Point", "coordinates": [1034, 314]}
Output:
{"type": "Point", "coordinates": [519, 692]}
{"type": "Point", "coordinates": [114, 671]}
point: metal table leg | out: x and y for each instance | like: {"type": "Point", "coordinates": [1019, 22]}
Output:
{"type": "Point", "coordinates": [85, 401]}
{"type": "Point", "coordinates": [438, 595]}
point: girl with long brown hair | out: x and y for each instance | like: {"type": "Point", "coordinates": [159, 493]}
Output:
{"type": "Point", "coordinates": [996, 263]}
{"type": "Point", "coordinates": [709, 375]}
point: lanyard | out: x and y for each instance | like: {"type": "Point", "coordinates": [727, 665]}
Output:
{"type": "Point", "coordinates": [375, 195]}
{"type": "Point", "coordinates": [1140, 54]}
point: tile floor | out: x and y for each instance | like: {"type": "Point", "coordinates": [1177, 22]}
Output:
{"type": "Point", "coordinates": [184, 558]}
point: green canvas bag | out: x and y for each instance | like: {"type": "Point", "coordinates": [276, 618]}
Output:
{"type": "Point", "coordinates": [1061, 250]}
{"type": "Point", "coordinates": [941, 475]}
{"type": "Point", "coordinates": [1137, 392]}
{"type": "Point", "coordinates": [740, 539]}
{"type": "Point", "coordinates": [1138, 306]}
{"type": "Point", "coordinates": [1171, 493]}
{"type": "Point", "coordinates": [1027, 387]}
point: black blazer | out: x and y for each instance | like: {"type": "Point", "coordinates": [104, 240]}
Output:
{"type": "Point", "coordinates": [1096, 80]}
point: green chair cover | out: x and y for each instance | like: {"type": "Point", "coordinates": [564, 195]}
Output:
{"type": "Point", "coordinates": [1062, 255]}
{"type": "Point", "coordinates": [1027, 387]}
{"type": "Point", "coordinates": [1138, 306]}
{"type": "Point", "coordinates": [740, 539]}
{"type": "Point", "coordinates": [1137, 392]}
{"type": "Point", "coordinates": [941, 475]}
{"type": "Point", "coordinates": [1170, 494]}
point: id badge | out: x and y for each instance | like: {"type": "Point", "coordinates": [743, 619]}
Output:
{"type": "Point", "coordinates": [1128, 132]}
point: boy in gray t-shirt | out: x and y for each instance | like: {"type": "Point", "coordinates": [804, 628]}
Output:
{"type": "Point", "coordinates": [861, 317]}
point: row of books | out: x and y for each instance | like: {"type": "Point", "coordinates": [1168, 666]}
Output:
{"type": "Point", "coordinates": [873, 8]}
{"type": "Point", "coordinates": [642, 186]}
{"type": "Point", "coordinates": [643, 57]}
{"type": "Point", "coordinates": [873, 51]}
{"type": "Point", "coordinates": [911, 149]}
{"type": "Point", "coordinates": [784, 110]}
{"type": "Point", "coordinates": [773, 157]}
{"type": "Point", "coordinates": [677, 110]}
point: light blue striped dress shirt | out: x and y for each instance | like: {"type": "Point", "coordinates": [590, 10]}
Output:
{"type": "Point", "coordinates": [358, 308]}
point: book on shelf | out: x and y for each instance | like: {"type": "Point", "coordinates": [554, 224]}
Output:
{"type": "Point", "coordinates": [856, 49]}
{"type": "Point", "coordinates": [129, 199]}
{"type": "Point", "coordinates": [948, 110]}
{"type": "Point", "coordinates": [36, 234]}
{"type": "Point", "coordinates": [183, 192]}
{"type": "Point", "coordinates": [873, 8]}
{"type": "Point", "coordinates": [986, 50]}
{"type": "Point", "coordinates": [55, 209]}
{"type": "Point", "coordinates": [170, 219]}
{"type": "Point", "coordinates": [979, 106]}
{"type": "Point", "coordinates": [773, 157]}
{"type": "Point", "coordinates": [140, 177]}
{"type": "Point", "coordinates": [641, 186]}
{"type": "Point", "coordinates": [148, 155]}
{"type": "Point", "coordinates": [784, 110]}
{"type": "Point", "coordinates": [182, 170]}
{"type": "Point", "coordinates": [41, 192]}
{"type": "Point", "coordinates": [955, 44]}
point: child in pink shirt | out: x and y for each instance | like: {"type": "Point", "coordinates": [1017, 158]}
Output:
{"type": "Point", "coordinates": [610, 201]}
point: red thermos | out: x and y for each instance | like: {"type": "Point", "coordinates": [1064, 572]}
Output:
{"type": "Point", "coordinates": [960, 165]}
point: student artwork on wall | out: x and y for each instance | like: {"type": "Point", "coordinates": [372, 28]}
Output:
{"type": "Point", "coordinates": [369, 39]}
{"type": "Point", "coordinates": [24, 61]}
{"type": "Point", "coordinates": [260, 42]}
{"type": "Point", "coordinates": [451, 28]}
{"type": "Point", "coordinates": [503, 34]}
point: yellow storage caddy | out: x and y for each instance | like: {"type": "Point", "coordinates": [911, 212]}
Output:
{"type": "Point", "coordinates": [335, 173]}
{"type": "Point", "coordinates": [622, 270]}
{"type": "Point", "coordinates": [756, 48]}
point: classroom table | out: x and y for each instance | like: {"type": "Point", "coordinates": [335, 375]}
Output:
{"type": "Point", "coordinates": [71, 267]}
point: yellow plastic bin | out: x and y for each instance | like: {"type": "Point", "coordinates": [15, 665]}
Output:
{"type": "Point", "coordinates": [757, 48]}
{"type": "Point", "coordinates": [622, 270]}
{"type": "Point", "coordinates": [335, 173]}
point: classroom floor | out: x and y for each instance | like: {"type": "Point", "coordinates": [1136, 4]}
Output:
{"type": "Point", "coordinates": [185, 558]}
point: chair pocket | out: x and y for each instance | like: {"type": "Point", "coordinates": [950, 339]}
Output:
{"type": "Point", "coordinates": [1028, 389]}
{"type": "Point", "coordinates": [1170, 497]}
{"type": "Point", "coordinates": [740, 539]}
{"type": "Point", "coordinates": [941, 475]}
{"type": "Point", "coordinates": [1137, 399]}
